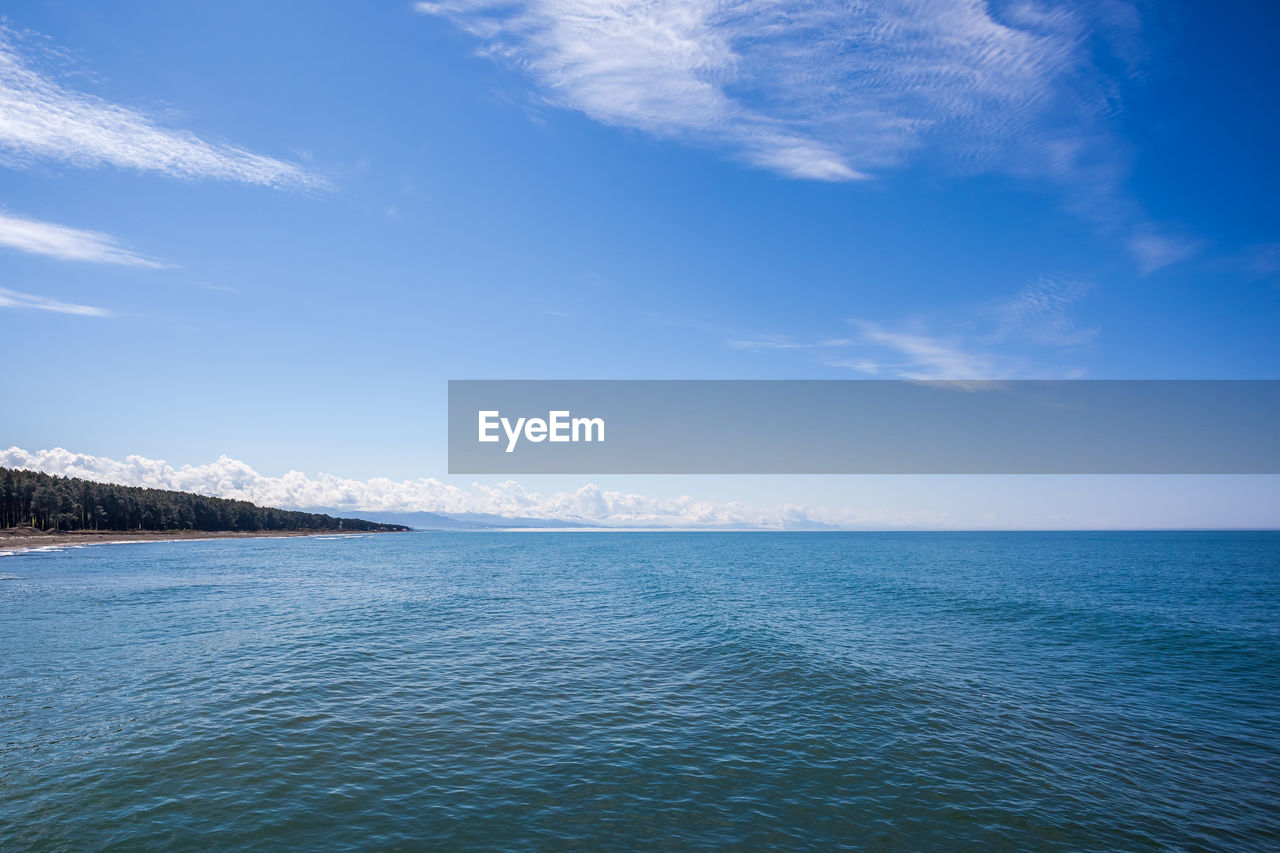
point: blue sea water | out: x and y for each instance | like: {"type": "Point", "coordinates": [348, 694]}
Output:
{"type": "Point", "coordinates": [533, 691]}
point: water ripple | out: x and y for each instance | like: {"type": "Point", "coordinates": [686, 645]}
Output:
{"type": "Point", "coordinates": [648, 691]}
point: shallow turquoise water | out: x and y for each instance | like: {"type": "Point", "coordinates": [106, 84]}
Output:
{"type": "Point", "coordinates": [645, 691]}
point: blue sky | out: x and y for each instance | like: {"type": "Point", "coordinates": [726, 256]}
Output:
{"type": "Point", "coordinates": [273, 231]}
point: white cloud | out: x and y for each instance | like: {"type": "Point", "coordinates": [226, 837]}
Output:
{"type": "Point", "coordinates": [13, 299]}
{"type": "Point", "coordinates": [1005, 340]}
{"type": "Point", "coordinates": [231, 478]}
{"type": "Point", "coordinates": [783, 342]}
{"type": "Point", "coordinates": [927, 356]}
{"type": "Point", "coordinates": [837, 91]}
{"type": "Point", "coordinates": [821, 90]}
{"type": "Point", "coordinates": [1042, 314]}
{"type": "Point", "coordinates": [68, 244]}
{"type": "Point", "coordinates": [859, 365]}
{"type": "Point", "coordinates": [911, 352]}
{"type": "Point", "coordinates": [41, 119]}
{"type": "Point", "coordinates": [770, 342]}
{"type": "Point", "coordinates": [1154, 250]}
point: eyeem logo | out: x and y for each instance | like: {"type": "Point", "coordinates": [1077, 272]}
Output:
{"type": "Point", "coordinates": [558, 426]}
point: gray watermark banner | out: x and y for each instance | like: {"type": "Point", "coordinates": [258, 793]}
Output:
{"type": "Point", "coordinates": [864, 427]}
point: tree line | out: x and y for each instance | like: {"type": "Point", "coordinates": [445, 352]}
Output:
{"type": "Point", "coordinates": [67, 503]}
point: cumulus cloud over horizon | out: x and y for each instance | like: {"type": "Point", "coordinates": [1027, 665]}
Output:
{"type": "Point", "coordinates": [232, 478]}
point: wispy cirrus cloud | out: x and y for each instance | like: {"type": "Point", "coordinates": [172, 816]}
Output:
{"type": "Point", "coordinates": [1042, 314]}
{"type": "Point", "coordinates": [68, 244]}
{"type": "Point", "coordinates": [919, 355]}
{"type": "Point", "coordinates": [232, 478]}
{"type": "Point", "coordinates": [838, 91]}
{"type": "Point", "coordinates": [783, 342]}
{"type": "Point", "coordinates": [1019, 337]}
{"type": "Point", "coordinates": [14, 299]}
{"type": "Point", "coordinates": [824, 90]}
{"type": "Point", "coordinates": [1154, 250]}
{"type": "Point", "coordinates": [666, 68]}
{"type": "Point", "coordinates": [41, 119]}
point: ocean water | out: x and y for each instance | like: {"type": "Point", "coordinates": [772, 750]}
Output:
{"type": "Point", "coordinates": [535, 691]}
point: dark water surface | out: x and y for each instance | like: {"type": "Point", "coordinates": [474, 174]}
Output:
{"type": "Point", "coordinates": [645, 691]}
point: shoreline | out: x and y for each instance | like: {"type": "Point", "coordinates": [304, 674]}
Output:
{"type": "Point", "coordinates": [17, 544]}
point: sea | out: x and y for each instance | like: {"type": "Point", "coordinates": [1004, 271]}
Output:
{"type": "Point", "coordinates": [644, 691]}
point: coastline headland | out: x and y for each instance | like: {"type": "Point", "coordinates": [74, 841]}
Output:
{"type": "Point", "coordinates": [40, 510]}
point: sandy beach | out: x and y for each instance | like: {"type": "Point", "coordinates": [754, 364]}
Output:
{"type": "Point", "coordinates": [25, 539]}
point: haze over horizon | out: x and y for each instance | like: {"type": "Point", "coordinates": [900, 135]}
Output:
{"type": "Point", "coordinates": [929, 503]}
